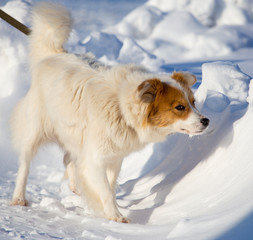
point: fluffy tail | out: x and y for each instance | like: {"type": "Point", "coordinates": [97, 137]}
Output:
{"type": "Point", "coordinates": [51, 26]}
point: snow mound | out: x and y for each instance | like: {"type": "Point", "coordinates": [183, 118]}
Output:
{"type": "Point", "coordinates": [227, 79]}
{"type": "Point", "coordinates": [140, 22]}
{"type": "Point", "coordinates": [103, 44]}
{"type": "Point", "coordinates": [212, 12]}
{"type": "Point", "coordinates": [133, 52]}
{"type": "Point", "coordinates": [193, 29]}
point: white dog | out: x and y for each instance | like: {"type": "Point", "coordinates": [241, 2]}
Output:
{"type": "Point", "coordinates": [97, 114]}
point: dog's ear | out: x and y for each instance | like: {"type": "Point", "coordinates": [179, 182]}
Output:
{"type": "Point", "coordinates": [184, 78]}
{"type": "Point", "coordinates": [148, 90]}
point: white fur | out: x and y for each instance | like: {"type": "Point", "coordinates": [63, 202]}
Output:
{"type": "Point", "coordinates": [92, 111]}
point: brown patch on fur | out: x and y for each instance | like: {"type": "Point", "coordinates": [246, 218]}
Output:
{"type": "Point", "coordinates": [163, 100]}
{"type": "Point", "coordinates": [149, 89]}
{"type": "Point", "coordinates": [184, 78]}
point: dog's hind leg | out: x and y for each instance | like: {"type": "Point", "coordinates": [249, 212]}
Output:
{"type": "Point", "coordinates": [19, 192]}
{"type": "Point", "coordinates": [28, 149]}
{"type": "Point", "coordinates": [71, 173]}
{"type": "Point", "coordinates": [27, 136]}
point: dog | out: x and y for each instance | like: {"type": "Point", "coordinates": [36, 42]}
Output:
{"type": "Point", "coordinates": [97, 114]}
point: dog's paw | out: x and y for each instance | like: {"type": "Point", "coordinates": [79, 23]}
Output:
{"type": "Point", "coordinates": [125, 220]}
{"type": "Point", "coordinates": [115, 215]}
{"type": "Point", "coordinates": [120, 219]}
{"type": "Point", "coordinates": [19, 202]}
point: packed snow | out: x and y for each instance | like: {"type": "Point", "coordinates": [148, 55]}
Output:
{"type": "Point", "coordinates": [184, 188]}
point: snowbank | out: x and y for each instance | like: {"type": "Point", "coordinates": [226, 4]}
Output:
{"type": "Point", "coordinates": [189, 29]}
{"type": "Point", "coordinates": [183, 188]}
{"type": "Point", "coordinates": [224, 12]}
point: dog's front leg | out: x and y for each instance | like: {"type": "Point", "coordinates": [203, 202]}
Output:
{"type": "Point", "coordinates": [113, 170]}
{"type": "Point", "coordinates": [94, 179]}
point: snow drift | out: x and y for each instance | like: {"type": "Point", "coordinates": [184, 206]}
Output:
{"type": "Point", "coordinates": [183, 188]}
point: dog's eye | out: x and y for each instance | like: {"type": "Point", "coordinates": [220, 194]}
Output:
{"type": "Point", "coordinates": [180, 107]}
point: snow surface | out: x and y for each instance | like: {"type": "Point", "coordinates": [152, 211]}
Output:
{"type": "Point", "coordinates": [184, 188]}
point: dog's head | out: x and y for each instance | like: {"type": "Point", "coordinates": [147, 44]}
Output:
{"type": "Point", "coordinates": [171, 105]}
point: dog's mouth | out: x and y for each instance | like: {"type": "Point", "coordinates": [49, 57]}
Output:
{"type": "Point", "coordinates": [197, 129]}
{"type": "Point", "coordinates": [197, 132]}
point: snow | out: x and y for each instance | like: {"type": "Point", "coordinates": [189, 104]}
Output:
{"type": "Point", "coordinates": [184, 188]}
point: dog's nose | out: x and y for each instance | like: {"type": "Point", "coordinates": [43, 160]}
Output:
{"type": "Point", "coordinates": [205, 121]}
